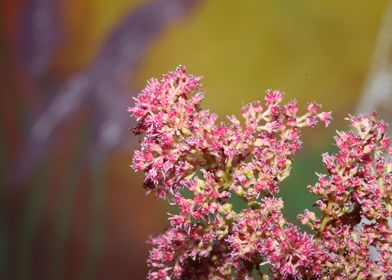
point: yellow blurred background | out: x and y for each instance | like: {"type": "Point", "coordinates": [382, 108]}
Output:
{"type": "Point", "coordinates": [70, 207]}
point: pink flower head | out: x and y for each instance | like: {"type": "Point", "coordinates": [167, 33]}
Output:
{"type": "Point", "coordinates": [314, 108]}
{"type": "Point", "coordinates": [290, 253]}
{"type": "Point", "coordinates": [291, 108]}
{"type": "Point", "coordinates": [325, 117]}
{"type": "Point", "coordinates": [273, 97]}
{"type": "Point", "coordinates": [199, 165]}
{"type": "Point", "coordinates": [254, 225]}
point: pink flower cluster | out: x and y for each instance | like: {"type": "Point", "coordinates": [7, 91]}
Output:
{"type": "Point", "coordinates": [198, 164]}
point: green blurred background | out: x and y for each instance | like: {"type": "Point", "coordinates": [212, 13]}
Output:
{"type": "Point", "coordinates": [71, 208]}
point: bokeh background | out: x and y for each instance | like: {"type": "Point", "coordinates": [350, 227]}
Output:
{"type": "Point", "coordinates": [70, 206]}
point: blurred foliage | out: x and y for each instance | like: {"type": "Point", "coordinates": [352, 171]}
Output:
{"type": "Point", "coordinates": [311, 50]}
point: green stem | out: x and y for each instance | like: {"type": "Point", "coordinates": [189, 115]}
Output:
{"type": "Point", "coordinates": [4, 204]}
{"type": "Point", "coordinates": [97, 232]}
{"type": "Point", "coordinates": [31, 221]}
{"type": "Point", "coordinates": [324, 221]}
{"type": "Point", "coordinates": [63, 216]}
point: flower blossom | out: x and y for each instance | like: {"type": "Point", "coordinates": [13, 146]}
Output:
{"type": "Point", "coordinates": [199, 165]}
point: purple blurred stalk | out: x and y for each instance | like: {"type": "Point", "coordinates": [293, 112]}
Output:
{"type": "Point", "coordinates": [101, 84]}
{"type": "Point", "coordinates": [40, 34]}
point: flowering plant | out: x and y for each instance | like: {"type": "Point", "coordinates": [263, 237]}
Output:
{"type": "Point", "coordinates": [198, 164]}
